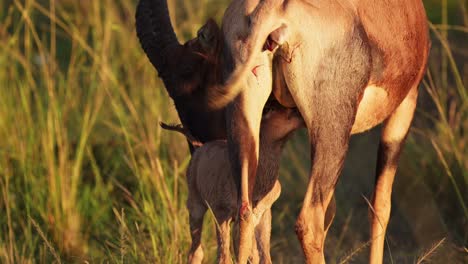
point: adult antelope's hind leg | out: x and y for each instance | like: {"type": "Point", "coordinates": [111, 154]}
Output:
{"type": "Point", "coordinates": [260, 250]}
{"type": "Point", "coordinates": [326, 90]}
{"type": "Point", "coordinates": [327, 162]}
{"type": "Point", "coordinates": [244, 115]}
{"type": "Point", "coordinates": [329, 119]}
{"type": "Point", "coordinates": [394, 132]}
{"type": "Point", "coordinates": [254, 257]}
{"type": "Point", "coordinates": [330, 215]}
{"type": "Point", "coordinates": [263, 235]}
{"type": "Point", "coordinates": [263, 227]}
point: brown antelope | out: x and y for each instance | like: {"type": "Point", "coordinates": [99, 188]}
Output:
{"type": "Point", "coordinates": [347, 66]}
{"type": "Point", "coordinates": [352, 65]}
{"type": "Point", "coordinates": [212, 185]}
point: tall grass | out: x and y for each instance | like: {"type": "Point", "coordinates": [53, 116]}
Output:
{"type": "Point", "coordinates": [439, 139]}
{"type": "Point", "coordinates": [87, 175]}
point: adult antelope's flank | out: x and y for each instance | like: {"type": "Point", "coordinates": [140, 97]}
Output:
{"type": "Point", "coordinates": [353, 64]}
{"type": "Point", "coordinates": [212, 186]}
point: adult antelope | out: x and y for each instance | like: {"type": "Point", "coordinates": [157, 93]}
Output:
{"type": "Point", "coordinates": [348, 65]}
{"type": "Point", "coordinates": [352, 64]}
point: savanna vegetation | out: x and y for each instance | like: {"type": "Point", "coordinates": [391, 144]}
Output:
{"type": "Point", "coordinates": [87, 175]}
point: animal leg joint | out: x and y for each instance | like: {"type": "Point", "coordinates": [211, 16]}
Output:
{"type": "Point", "coordinates": [245, 212]}
{"type": "Point", "coordinates": [308, 236]}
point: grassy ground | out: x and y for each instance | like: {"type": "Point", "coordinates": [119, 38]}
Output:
{"type": "Point", "coordinates": [86, 175]}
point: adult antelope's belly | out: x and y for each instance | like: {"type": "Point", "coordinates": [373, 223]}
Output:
{"type": "Point", "coordinates": [374, 108]}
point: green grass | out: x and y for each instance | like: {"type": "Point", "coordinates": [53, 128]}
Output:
{"type": "Point", "coordinates": [86, 174]}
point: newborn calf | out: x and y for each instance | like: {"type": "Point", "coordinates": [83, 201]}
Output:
{"type": "Point", "coordinates": [211, 185]}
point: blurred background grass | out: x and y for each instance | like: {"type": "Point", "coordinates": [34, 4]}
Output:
{"type": "Point", "coordinates": [86, 175]}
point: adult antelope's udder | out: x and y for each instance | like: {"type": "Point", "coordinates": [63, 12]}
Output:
{"type": "Point", "coordinates": [373, 109]}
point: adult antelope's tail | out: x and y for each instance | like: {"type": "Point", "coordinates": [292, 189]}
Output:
{"type": "Point", "coordinates": [243, 44]}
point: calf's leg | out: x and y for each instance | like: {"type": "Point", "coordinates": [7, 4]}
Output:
{"type": "Point", "coordinates": [196, 214]}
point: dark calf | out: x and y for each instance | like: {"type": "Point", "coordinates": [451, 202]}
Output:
{"type": "Point", "coordinates": [212, 185]}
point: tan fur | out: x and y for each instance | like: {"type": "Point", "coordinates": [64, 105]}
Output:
{"type": "Point", "coordinates": [384, 47]}
{"type": "Point", "coordinates": [394, 132]}
{"type": "Point", "coordinates": [382, 28]}
{"type": "Point", "coordinates": [346, 64]}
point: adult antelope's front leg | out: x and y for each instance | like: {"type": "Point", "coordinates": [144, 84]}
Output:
{"type": "Point", "coordinates": [394, 132]}
{"type": "Point", "coordinates": [244, 115]}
